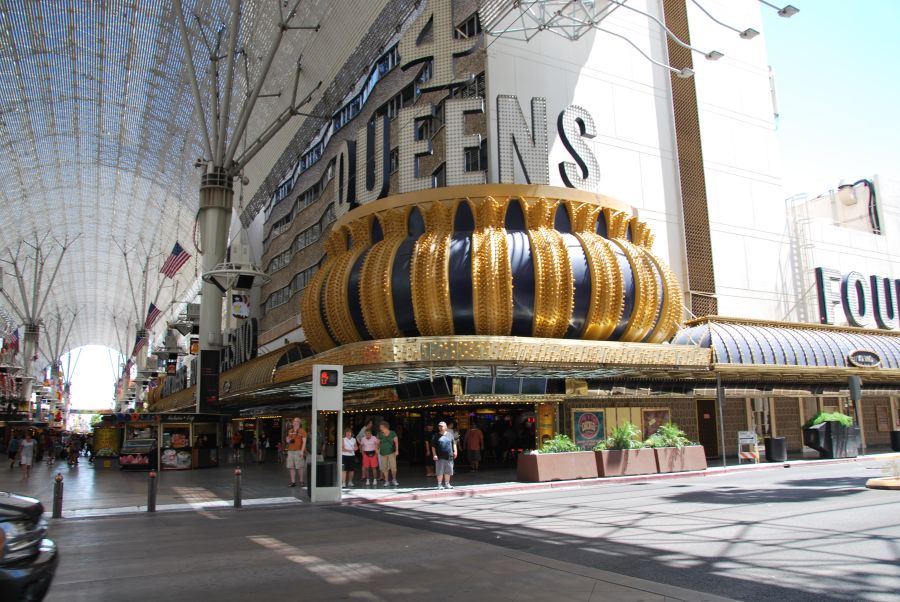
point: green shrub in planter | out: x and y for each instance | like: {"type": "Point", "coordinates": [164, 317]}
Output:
{"type": "Point", "coordinates": [821, 417]}
{"type": "Point", "coordinates": [559, 444]}
{"type": "Point", "coordinates": [624, 436]}
{"type": "Point", "coordinates": [668, 435]}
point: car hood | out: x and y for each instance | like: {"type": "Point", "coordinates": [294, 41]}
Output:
{"type": "Point", "coordinates": [14, 506]}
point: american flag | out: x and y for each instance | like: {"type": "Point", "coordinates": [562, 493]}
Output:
{"type": "Point", "coordinates": [14, 340]}
{"type": "Point", "coordinates": [139, 343]}
{"type": "Point", "coordinates": [153, 313]}
{"type": "Point", "coordinates": [177, 258]}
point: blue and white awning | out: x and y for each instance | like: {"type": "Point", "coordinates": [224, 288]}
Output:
{"type": "Point", "coordinates": [749, 343]}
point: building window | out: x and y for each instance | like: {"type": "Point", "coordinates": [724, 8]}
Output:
{"type": "Point", "coordinates": [439, 177]}
{"type": "Point", "coordinates": [473, 89]}
{"type": "Point", "coordinates": [469, 28]}
{"type": "Point", "coordinates": [393, 106]}
{"type": "Point", "coordinates": [423, 128]}
{"type": "Point", "coordinates": [476, 157]}
{"type": "Point", "coordinates": [395, 159]}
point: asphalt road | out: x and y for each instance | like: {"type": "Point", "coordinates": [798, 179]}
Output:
{"type": "Point", "coordinates": [791, 534]}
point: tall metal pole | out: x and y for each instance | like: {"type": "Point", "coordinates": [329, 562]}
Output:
{"type": "Point", "coordinates": [216, 201]}
{"type": "Point", "coordinates": [720, 403]}
{"type": "Point", "coordinates": [216, 185]}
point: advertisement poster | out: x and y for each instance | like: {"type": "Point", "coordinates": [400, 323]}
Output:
{"type": "Point", "coordinates": [653, 419]}
{"type": "Point", "coordinates": [588, 428]}
{"type": "Point", "coordinates": [106, 441]}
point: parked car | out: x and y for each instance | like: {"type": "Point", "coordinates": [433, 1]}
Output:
{"type": "Point", "coordinates": [27, 560]}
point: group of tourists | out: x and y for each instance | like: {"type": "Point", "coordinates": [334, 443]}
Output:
{"type": "Point", "coordinates": [24, 450]}
{"type": "Point", "coordinates": [372, 453]}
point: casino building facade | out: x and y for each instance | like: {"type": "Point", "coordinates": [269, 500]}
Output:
{"type": "Point", "coordinates": [514, 225]}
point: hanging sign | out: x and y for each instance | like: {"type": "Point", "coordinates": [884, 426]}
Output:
{"type": "Point", "coordinates": [240, 306]}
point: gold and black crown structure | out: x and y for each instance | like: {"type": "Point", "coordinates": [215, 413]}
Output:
{"type": "Point", "coordinates": [494, 259]}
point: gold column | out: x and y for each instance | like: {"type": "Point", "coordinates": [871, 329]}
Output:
{"type": "Point", "coordinates": [491, 272]}
{"type": "Point", "coordinates": [337, 306]}
{"type": "Point", "coordinates": [646, 292]}
{"type": "Point", "coordinates": [376, 296]}
{"type": "Point", "coordinates": [607, 301]}
{"type": "Point", "coordinates": [554, 287]}
{"type": "Point", "coordinates": [430, 271]}
{"type": "Point", "coordinates": [310, 309]}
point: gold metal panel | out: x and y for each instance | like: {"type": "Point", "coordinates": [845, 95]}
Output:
{"type": "Point", "coordinates": [376, 296]}
{"type": "Point", "coordinates": [310, 315]}
{"type": "Point", "coordinates": [491, 272]}
{"type": "Point", "coordinates": [430, 271]}
{"type": "Point", "coordinates": [337, 306]}
{"type": "Point", "coordinates": [554, 286]}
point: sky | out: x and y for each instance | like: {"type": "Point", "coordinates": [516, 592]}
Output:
{"type": "Point", "coordinates": [837, 80]}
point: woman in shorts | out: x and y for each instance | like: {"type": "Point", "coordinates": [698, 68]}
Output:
{"type": "Point", "coordinates": [348, 456]}
{"type": "Point", "coordinates": [369, 447]}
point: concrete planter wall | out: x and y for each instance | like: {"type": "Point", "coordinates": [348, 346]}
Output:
{"type": "Point", "coordinates": [680, 459]}
{"type": "Point", "coordinates": [622, 462]}
{"type": "Point", "coordinates": [533, 468]}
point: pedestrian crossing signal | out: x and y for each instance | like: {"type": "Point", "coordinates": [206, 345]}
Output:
{"type": "Point", "coordinates": [328, 378]}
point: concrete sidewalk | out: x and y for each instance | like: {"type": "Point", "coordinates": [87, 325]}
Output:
{"type": "Point", "coordinates": [92, 491]}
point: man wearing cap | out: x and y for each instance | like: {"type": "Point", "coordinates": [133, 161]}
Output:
{"type": "Point", "coordinates": [443, 446]}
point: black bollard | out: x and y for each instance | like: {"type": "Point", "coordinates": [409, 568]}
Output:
{"type": "Point", "coordinates": [237, 487]}
{"type": "Point", "coordinates": [57, 495]}
{"type": "Point", "coordinates": [151, 492]}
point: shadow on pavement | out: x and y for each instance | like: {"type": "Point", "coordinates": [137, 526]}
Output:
{"type": "Point", "coordinates": [681, 569]}
{"type": "Point", "coordinates": [798, 490]}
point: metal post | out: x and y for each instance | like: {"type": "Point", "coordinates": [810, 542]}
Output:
{"type": "Point", "coordinates": [57, 495]}
{"type": "Point", "coordinates": [720, 403]}
{"type": "Point", "coordinates": [237, 487]}
{"type": "Point", "coordinates": [151, 492]}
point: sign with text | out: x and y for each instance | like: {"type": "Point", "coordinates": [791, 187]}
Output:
{"type": "Point", "coordinates": [588, 427]}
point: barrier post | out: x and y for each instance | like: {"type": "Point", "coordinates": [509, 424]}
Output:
{"type": "Point", "coordinates": [151, 492]}
{"type": "Point", "coordinates": [57, 495]}
{"type": "Point", "coordinates": [237, 487]}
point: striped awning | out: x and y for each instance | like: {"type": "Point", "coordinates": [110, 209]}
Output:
{"type": "Point", "coordinates": [749, 343]}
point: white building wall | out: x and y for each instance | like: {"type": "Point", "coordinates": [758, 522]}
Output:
{"type": "Point", "coordinates": [628, 98]}
{"type": "Point", "coordinates": [740, 152]}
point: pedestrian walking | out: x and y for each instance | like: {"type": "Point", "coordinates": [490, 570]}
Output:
{"type": "Point", "coordinates": [13, 450]}
{"type": "Point", "coordinates": [474, 444]}
{"type": "Point", "coordinates": [444, 445]}
{"type": "Point", "coordinates": [348, 456]}
{"type": "Point", "coordinates": [295, 443]}
{"type": "Point", "coordinates": [369, 447]}
{"type": "Point", "coordinates": [388, 446]}
{"type": "Point", "coordinates": [429, 453]}
{"type": "Point", "coordinates": [26, 454]}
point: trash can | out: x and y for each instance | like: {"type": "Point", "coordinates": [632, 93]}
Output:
{"type": "Point", "coordinates": [895, 441]}
{"type": "Point", "coordinates": [776, 449]}
{"type": "Point", "coordinates": [326, 475]}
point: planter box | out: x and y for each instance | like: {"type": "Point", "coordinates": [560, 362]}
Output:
{"type": "Point", "coordinates": [622, 462]}
{"type": "Point", "coordinates": [533, 468]}
{"type": "Point", "coordinates": [833, 440]}
{"type": "Point", "coordinates": [680, 459]}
